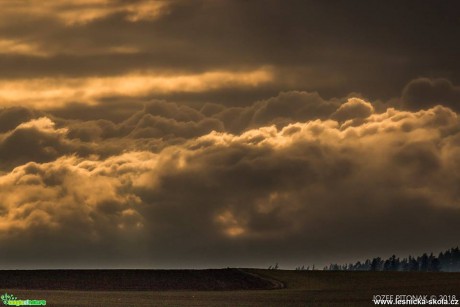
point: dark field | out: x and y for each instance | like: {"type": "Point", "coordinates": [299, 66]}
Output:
{"type": "Point", "coordinates": [228, 287]}
{"type": "Point", "coordinates": [135, 280]}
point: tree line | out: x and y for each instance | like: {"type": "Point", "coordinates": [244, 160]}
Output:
{"type": "Point", "coordinates": [448, 261]}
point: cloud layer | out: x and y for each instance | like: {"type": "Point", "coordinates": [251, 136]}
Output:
{"type": "Point", "coordinates": [310, 46]}
{"type": "Point", "coordinates": [174, 133]}
{"type": "Point", "coordinates": [292, 178]}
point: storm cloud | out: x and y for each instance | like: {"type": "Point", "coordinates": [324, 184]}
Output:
{"type": "Point", "coordinates": [177, 182]}
{"type": "Point", "coordinates": [206, 133]}
{"type": "Point", "coordinates": [425, 93]}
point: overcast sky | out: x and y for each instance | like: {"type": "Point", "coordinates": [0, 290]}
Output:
{"type": "Point", "coordinates": [206, 133]}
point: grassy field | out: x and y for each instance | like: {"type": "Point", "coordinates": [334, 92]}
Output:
{"type": "Point", "coordinates": [302, 288]}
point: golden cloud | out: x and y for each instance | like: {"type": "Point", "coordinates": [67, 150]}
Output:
{"type": "Point", "coordinates": [84, 191]}
{"type": "Point", "coordinates": [72, 12]}
{"type": "Point", "coordinates": [267, 184]}
{"type": "Point", "coordinates": [15, 46]}
{"type": "Point", "coordinates": [51, 92]}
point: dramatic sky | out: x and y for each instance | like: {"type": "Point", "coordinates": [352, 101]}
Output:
{"type": "Point", "coordinates": [215, 133]}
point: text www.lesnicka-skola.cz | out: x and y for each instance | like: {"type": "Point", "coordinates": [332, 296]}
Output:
{"type": "Point", "coordinates": [389, 299]}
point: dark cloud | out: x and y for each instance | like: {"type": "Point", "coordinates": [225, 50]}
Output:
{"type": "Point", "coordinates": [285, 108]}
{"type": "Point", "coordinates": [352, 109]}
{"type": "Point", "coordinates": [227, 133]}
{"type": "Point", "coordinates": [113, 110]}
{"type": "Point", "coordinates": [163, 119]}
{"type": "Point", "coordinates": [293, 106]}
{"type": "Point", "coordinates": [88, 131]}
{"type": "Point", "coordinates": [36, 140]}
{"type": "Point", "coordinates": [10, 118]}
{"type": "Point", "coordinates": [235, 198]}
{"type": "Point", "coordinates": [424, 93]}
{"type": "Point", "coordinates": [330, 48]}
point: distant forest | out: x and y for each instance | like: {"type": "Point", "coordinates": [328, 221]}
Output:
{"type": "Point", "coordinates": [448, 261]}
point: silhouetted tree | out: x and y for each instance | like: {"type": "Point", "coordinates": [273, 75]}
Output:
{"type": "Point", "coordinates": [435, 265]}
{"type": "Point", "coordinates": [376, 264]}
{"type": "Point", "coordinates": [423, 261]}
{"type": "Point", "coordinates": [404, 265]}
{"type": "Point", "coordinates": [446, 261]}
{"type": "Point", "coordinates": [413, 264]}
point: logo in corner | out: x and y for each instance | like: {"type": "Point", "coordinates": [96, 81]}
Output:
{"type": "Point", "coordinates": [11, 300]}
{"type": "Point", "coordinates": [7, 297]}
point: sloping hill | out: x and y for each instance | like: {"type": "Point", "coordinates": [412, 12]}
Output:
{"type": "Point", "coordinates": [212, 279]}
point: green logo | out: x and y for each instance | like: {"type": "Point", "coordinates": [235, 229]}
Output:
{"type": "Point", "coordinates": [6, 297]}
{"type": "Point", "coordinates": [11, 300]}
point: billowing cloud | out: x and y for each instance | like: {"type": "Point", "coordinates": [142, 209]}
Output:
{"type": "Point", "coordinates": [201, 133]}
{"type": "Point", "coordinates": [285, 108]}
{"type": "Point", "coordinates": [12, 117]}
{"type": "Point", "coordinates": [424, 93]}
{"type": "Point", "coordinates": [36, 140]}
{"type": "Point", "coordinates": [353, 108]}
{"type": "Point", "coordinates": [216, 194]}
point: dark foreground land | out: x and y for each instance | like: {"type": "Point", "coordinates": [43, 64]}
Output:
{"type": "Point", "coordinates": [226, 287]}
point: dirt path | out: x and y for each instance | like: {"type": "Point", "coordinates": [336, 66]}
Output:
{"type": "Point", "coordinates": [276, 284]}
